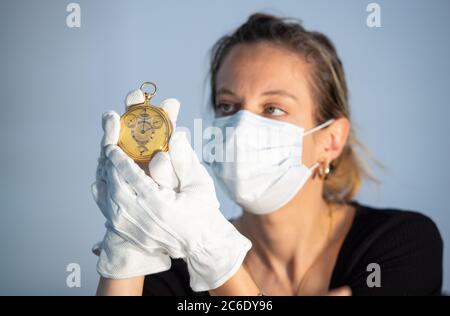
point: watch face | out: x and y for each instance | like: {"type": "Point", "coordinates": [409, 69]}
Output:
{"type": "Point", "coordinates": [144, 130]}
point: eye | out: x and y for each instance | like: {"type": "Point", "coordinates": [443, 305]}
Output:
{"type": "Point", "coordinates": [274, 111]}
{"type": "Point", "coordinates": [224, 109]}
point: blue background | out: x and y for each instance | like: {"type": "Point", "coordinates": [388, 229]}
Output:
{"type": "Point", "coordinates": [56, 81]}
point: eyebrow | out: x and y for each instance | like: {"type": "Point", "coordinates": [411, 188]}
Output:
{"type": "Point", "coordinates": [224, 91]}
{"type": "Point", "coordinates": [281, 93]}
{"type": "Point", "coordinates": [270, 92]}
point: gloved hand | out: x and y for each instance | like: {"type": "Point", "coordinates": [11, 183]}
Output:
{"type": "Point", "coordinates": [185, 221]}
{"type": "Point", "coordinates": [118, 257]}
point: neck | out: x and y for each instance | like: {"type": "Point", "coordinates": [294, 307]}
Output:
{"type": "Point", "coordinates": [281, 238]}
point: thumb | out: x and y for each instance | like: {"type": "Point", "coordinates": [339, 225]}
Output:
{"type": "Point", "coordinates": [162, 172]}
{"type": "Point", "coordinates": [186, 165]}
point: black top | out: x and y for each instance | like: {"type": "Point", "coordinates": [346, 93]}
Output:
{"type": "Point", "coordinates": [406, 245]}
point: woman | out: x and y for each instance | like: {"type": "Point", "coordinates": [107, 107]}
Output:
{"type": "Point", "coordinates": [301, 232]}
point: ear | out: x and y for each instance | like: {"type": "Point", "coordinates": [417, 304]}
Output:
{"type": "Point", "coordinates": [334, 138]}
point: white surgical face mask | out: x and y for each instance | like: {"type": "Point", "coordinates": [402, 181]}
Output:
{"type": "Point", "coordinates": [258, 161]}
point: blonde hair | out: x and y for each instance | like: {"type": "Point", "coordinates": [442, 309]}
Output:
{"type": "Point", "coordinates": [327, 80]}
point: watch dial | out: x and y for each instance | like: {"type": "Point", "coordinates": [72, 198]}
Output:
{"type": "Point", "coordinates": [130, 121]}
{"type": "Point", "coordinates": [144, 131]}
{"type": "Point", "coordinates": [157, 122]}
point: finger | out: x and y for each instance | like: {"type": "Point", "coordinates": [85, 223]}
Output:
{"type": "Point", "coordinates": [132, 212]}
{"type": "Point", "coordinates": [162, 172]}
{"type": "Point", "coordinates": [122, 201]}
{"type": "Point", "coordinates": [134, 97]}
{"type": "Point", "coordinates": [172, 107]}
{"type": "Point", "coordinates": [129, 170]}
{"type": "Point", "coordinates": [98, 190]}
{"type": "Point", "coordinates": [119, 192]}
{"type": "Point", "coordinates": [111, 130]}
{"type": "Point", "coordinates": [187, 167]}
{"type": "Point", "coordinates": [97, 248]}
{"type": "Point", "coordinates": [99, 193]}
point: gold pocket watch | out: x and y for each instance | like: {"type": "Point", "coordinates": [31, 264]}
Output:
{"type": "Point", "coordinates": [144, 129]}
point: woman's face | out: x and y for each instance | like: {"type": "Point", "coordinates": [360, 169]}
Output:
{"type": "Point", "coordinates": [269, 81]}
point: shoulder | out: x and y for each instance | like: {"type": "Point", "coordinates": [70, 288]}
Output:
{"type": "Point", "coordinates": [174, 281]}
{"type": "Point", "coordinates": [405, 245]}
{"type": "Point", "coordinates": [397, 225]}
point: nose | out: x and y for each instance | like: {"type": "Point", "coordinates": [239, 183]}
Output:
{"type": "Point", "coordinates": [250, 105]}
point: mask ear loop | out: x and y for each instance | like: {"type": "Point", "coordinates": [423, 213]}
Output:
{"type": "Point", "coordinates": [315, 129]}
{"type": "Point", "coordinates": [318, 127]}
{"type": "Point", "coordinates": [314, 167]}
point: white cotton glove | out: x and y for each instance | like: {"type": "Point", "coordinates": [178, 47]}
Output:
{"type": "Point", "coordinates": [185, 221]}
{"type": "Point", "coordinates": [118, 257]}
